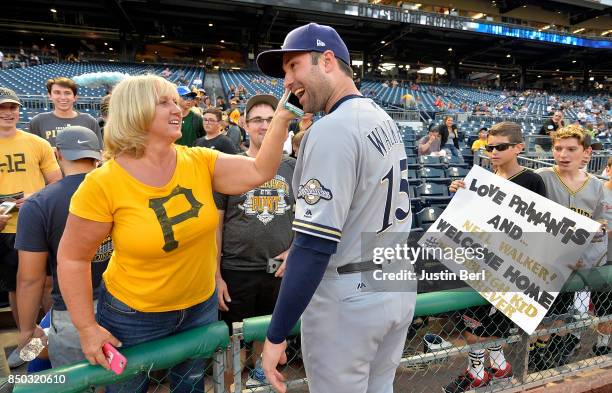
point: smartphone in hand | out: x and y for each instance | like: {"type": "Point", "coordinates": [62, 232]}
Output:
{"type": "Point", "coordinates": [293, 105]}
{"type": "Point", "coordinates": [6, 207]}
{"type": "Point", "coordinates": [115, 359]}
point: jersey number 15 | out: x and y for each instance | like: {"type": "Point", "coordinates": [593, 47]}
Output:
{"type": "Point", "coordinates": [399, 213]}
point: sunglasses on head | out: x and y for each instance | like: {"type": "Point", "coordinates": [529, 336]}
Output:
{"type": "Point", "coordinates": [499, 147]}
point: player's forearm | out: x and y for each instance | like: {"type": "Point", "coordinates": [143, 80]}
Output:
{"type": "Point", "coordinates": [306, 264]}
{"type": "Point", "coordinates": [75, 284]}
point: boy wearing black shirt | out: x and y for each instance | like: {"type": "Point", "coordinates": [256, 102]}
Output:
{"type": "Point", "coordinates": [485, 323]}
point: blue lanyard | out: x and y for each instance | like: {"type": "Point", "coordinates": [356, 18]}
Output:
{"type": "Point", "coordinates": [341, 100]}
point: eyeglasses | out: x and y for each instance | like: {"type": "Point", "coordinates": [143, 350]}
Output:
{"type": "Point", "coordinates": [188, 98]}
{"type": "Point", "coordinates": [259, 120]}
{"type": "Point", "coordinates": [210, 120]}
{"type": "Point", "coordinates": [499, 147]}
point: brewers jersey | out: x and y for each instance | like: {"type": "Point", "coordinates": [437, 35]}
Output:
{"type": "Point", "coordinates": [351, 182]}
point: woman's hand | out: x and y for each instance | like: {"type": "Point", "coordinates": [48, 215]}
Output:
{"type": "Point", "coordinates": [93, 337]}
{"type": "Point", "coordinates": [281, 112]}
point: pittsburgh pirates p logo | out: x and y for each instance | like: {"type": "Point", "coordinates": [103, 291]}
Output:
{"type": "Point", "coordinates": [157, 204]}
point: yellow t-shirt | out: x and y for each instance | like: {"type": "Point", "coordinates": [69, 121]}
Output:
{"type": "Point", "coordinates": [24, 160]}
{"type": "Point", "coordinates": [235, 115]}
{"type": "Point", "coordinates": [165, 251]}
{"type": "Point", "coordinates": [478, 144]}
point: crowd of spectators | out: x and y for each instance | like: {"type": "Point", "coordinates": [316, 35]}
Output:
{"type": "Point", "coordinates": [21, 58]}
{"type": "Point", "coordinates": [237, 131]}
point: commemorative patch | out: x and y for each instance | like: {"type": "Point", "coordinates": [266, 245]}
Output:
{"type": "Point", "coordinates": [313, 191]}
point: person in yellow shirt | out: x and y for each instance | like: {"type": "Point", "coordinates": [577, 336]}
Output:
{"type": "Point", "coordinates": [481, 142]}
{"type": "Point", "coordinates": [155, 200]}
{"type": "Point", "coordinates": [408, 100]}
{"type": "Point", "coordinates": [27, 162]}
{"type": "Point", "coordinates": [478, 147]}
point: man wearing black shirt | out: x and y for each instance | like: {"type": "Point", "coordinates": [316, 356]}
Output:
{"type": "Point", "coordinates": [484, 323]}
{"type": "Point", "coordinates": [41, 224]}
{"type": "Point", "coordinates": [549, 126]}
{"type": "Point", "coordinates": [213, 138]}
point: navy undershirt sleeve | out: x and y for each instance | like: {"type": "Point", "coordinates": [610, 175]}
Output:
{"type": "Point", "coordinates": [306, 264]}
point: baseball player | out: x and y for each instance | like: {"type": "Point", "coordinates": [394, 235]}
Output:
{"type": "Point", "coordinates": [352, 196]}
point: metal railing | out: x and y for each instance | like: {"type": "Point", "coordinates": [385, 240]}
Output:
{"type": "Point", "coordinates": [424, 366]}
{"type": "Point", "coordinates": [434, 348]}
{"type": "Point", "coordinates": [404, 115]}
{"type": "Point", "coordinates": [152, 358]}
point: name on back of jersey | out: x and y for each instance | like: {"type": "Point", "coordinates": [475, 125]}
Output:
{"type": "Point", "coordinates": [385, 136]}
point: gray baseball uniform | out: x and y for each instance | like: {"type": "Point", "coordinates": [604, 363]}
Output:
{"type": "Point", "coordinates": [588, 201]}
{"type": "Point", "coordinates": [351, 187]}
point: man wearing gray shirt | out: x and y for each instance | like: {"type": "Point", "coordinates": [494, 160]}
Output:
{"type": "Point", "coordinates": [254, 231]}
{"type": "Point", "coordinates": [63, 94]}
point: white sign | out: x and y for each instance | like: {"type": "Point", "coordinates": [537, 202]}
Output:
{"type": "Point", "coordinates": [528, 243]}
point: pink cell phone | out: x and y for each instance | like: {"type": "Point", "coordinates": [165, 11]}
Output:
{"type": "Point", "coordinates": [115, 359]}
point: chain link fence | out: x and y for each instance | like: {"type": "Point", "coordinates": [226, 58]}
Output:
{"type": "Point", "coordinates": [453, 331]}
{"type": "Point", "coordinates": [445, 336]}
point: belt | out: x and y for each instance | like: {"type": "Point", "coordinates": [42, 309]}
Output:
{"type": "Point", "coordinates": [358, 267]}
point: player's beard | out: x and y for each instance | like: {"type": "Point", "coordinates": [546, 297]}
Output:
{"type": "Point", "coordinates": [318, 92]}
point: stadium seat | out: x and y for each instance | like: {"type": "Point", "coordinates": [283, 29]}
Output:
{"type": "Point", "coordinates": [455, 172]}
{"type": "Point", "coordinates": [427, 216]}
{"type": "Point", "coordinates": [430, 160]}
{"type": "Point", "coordinates": [412, 160]}
{"type": "Point", "coordinates": [433, 194]}
{"type": "Point", "coordinates": [431, 173]}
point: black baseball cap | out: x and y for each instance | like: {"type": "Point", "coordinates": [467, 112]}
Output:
{"type": "Point", "coordinates": [76, 142]}
{"type": "Point", "coordinates": [308, 38]}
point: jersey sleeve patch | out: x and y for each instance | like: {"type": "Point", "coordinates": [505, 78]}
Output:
{"type": "Point", "coordinates": [313, 191]}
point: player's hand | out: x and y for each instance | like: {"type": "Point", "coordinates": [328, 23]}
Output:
{"type": "Point", "coordinates": [456, 185]}
{"type": "Point", "coordinates": [222, 293]}
{"type": "Point", "coordinates": [93, 337]}
{"type": "Point", "coordinates": [281, 112]}
{"type": "Point", "coordinates": [432, 138]}
{"type": "Point", "coordinates": [273, 355]}
{"type": "Point", "coordinates": [26, 335]}
{"type": "Point", "coordinates": [281, 270]}
{"type": "Point", "coordinates": [4, 218]}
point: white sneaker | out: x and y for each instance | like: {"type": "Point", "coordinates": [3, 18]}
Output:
{"type": "Point", "coordinates": [256, 378]}
{"type": "Point", "coordinates": [14, 360]}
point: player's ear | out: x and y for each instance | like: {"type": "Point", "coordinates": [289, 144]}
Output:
{"type": "Point", "coordinates": [329, 61]}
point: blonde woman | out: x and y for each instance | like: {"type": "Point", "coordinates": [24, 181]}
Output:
{"type": "Point", "coordinates": [154, 198]}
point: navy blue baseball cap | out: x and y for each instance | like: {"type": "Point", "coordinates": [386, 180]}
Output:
{"type": "Point", "coordinates": [308, 38]}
